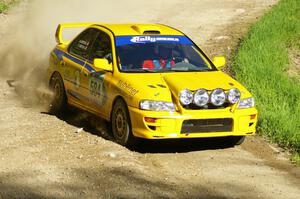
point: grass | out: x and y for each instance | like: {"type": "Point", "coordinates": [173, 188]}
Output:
{"type": "Point", "coordinates": [261, 64]}
{"type": "Point", "coordinates": [6, 4]}
{"type": "Point", "coordinates": [296, 158]}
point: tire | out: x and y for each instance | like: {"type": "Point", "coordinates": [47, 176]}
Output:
{"type": "Point", "coordinates": [59, 101]}
{"type": "Point", "coordinates": [121, 124]}
{"type": "Point", "coordinates": [236, 140]}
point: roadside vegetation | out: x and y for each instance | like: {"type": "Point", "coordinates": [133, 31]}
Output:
{"type": "Point", "coordinates": [262, 62]}
{"type": "Point", "coordinates": [6, 4]}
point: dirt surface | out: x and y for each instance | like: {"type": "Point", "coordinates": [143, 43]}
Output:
{"type": "Point", "coordinates": [294, 59]}
{"type": "Point", "coordinates": [42, 156]}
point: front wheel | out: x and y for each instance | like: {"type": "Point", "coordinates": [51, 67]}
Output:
{"type": "Point", "coordinates": [121, 125]}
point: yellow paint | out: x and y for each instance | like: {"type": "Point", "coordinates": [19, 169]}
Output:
{"type": "Point", "coordinates": [102, 64]}
{"type": "Point", "coordinates": [219, 61]}
{"type": "Point", "coordinates": [133, 87]}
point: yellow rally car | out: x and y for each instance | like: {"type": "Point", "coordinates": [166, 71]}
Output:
{"type": "Point", "coordinates": [150, 81]}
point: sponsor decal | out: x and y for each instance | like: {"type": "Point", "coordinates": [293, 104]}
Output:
{"type": "Point", "coordinates": [127, 88]}
{"type": "Point", "coordinates": [97, 89]}
{"type": "Point", "coordinates": [128, 40]}
{"type": "Point", "coordinates": [83, 44]}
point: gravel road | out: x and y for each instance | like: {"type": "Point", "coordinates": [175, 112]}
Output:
{"type": "Point", "coordinates": [42, 156]}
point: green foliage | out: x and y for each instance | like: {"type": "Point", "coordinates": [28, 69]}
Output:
{"type": "Point", "coordinates": [296, 158]}
{"type": "Point", "coordinates": [260, 64]}
{"type": "Point", "coordinates": [5, 5]}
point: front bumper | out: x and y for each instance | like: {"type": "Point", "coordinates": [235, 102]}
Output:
{"type": "Point", "coordinates": [163, 125]}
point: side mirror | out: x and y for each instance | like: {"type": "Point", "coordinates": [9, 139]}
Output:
{"type": "Point", "coordinates": [219, 61]}
{"type": "Point", "coordinates": [102, 64]}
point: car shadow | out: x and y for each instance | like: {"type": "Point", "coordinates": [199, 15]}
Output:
{"type": "Point", "coordinates": [99, 127]}
{"type": "Point", "coordinates": [180, 145]}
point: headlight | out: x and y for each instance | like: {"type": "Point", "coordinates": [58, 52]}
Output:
{"type": "Point", "coordinates": [233, 95]}
{"type": "Point", "coordinates": [218, 97]}
{"type": "Point", "coordinates": [186, 97]}
{"type": "Point", "coordinates": [157, 105]}
{"type": "Point", "coordinates": [201, 97]}
{"type": "Point", "coordinates": [246, 103]}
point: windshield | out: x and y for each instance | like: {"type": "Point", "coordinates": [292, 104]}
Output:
{"type": "Point", "coordinates": [159, 54]}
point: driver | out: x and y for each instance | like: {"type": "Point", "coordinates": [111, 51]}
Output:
{"type": "Point", "coordinates": [164, 59]}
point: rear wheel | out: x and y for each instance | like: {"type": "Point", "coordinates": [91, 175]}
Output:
{"type": "Point", "coordinates": [121, 125]}
{"type": "Point", "coordinates": [59, 102]}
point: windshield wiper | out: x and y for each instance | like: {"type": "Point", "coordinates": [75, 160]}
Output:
{"type": "Point", "coordinates": [205, 69]}
{"type": "Point", "coordinates": [179, 69]}
{"type": "Point", "coordinates": [148, 70]}
{"type": "Point", "coordinates": [141, 71]}
{"type": "Point", "coordinates": [190, 70]}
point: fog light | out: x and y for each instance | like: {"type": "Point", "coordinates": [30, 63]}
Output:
{"type": "Point", "coordinates": [201, 97]}
{"type": "Point", "coordinates": [218, 97]}
{"type": "Point", "coordinates": [150, 120]}
{"type": "Point", "coordinates": [186, 97]}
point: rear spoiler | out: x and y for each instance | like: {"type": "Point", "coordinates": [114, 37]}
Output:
{"type": "Point", "coordinates": [61, 27]}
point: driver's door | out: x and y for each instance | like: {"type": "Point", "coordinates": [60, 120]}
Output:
{"type": "Point", "coordinates": [96, 81]}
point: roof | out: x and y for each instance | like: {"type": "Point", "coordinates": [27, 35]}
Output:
{"type": "Point", "coordinates": [140, 29]}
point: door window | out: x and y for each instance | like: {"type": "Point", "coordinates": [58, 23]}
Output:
{"type": "Point", "coordinates": [101, 48]}
{"type": "Point", "coordinates": [80, 46]}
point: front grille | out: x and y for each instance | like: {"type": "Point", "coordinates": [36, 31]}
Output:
{"type": "Point", "coordinates": [208, 106]}
{"type": "Point", "coordinates": [207, 125]}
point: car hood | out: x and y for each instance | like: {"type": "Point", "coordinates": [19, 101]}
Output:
{"type": "Point", "coordinates": [166, 86]}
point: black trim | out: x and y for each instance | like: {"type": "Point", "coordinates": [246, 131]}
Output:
{"type": "Point", "coordinates": [207, 125]}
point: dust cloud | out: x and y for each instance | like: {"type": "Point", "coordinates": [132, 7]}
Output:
{"type": "Point", "coordinates": [29, 37]}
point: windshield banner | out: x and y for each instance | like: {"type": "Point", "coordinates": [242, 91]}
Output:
{"type": "Point", "coordinates": [127, 40]}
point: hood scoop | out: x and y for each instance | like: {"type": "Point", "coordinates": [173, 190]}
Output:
{"type": "Point", "coordinates": [161, 86]}
{"type": "Point", "coordinates": [151, 86]}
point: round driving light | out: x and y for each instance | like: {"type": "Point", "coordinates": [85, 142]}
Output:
{"type": "Point", "coordinates": [233, 95]}
{"type": "Point", "coordinates": [201, 97]}
{"type": "Point", "coordinates": [218, 97]}
{"type": "Point", "coordinates": [186, 97]}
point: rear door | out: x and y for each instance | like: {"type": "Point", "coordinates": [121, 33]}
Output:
{"type": "Point", "coordinates": [75, 64]}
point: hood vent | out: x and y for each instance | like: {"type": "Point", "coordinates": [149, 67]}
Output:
{"type": "Point", "coordinates": [151, 32]}
{"type": "Point", "coordinates": [146, 29]}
